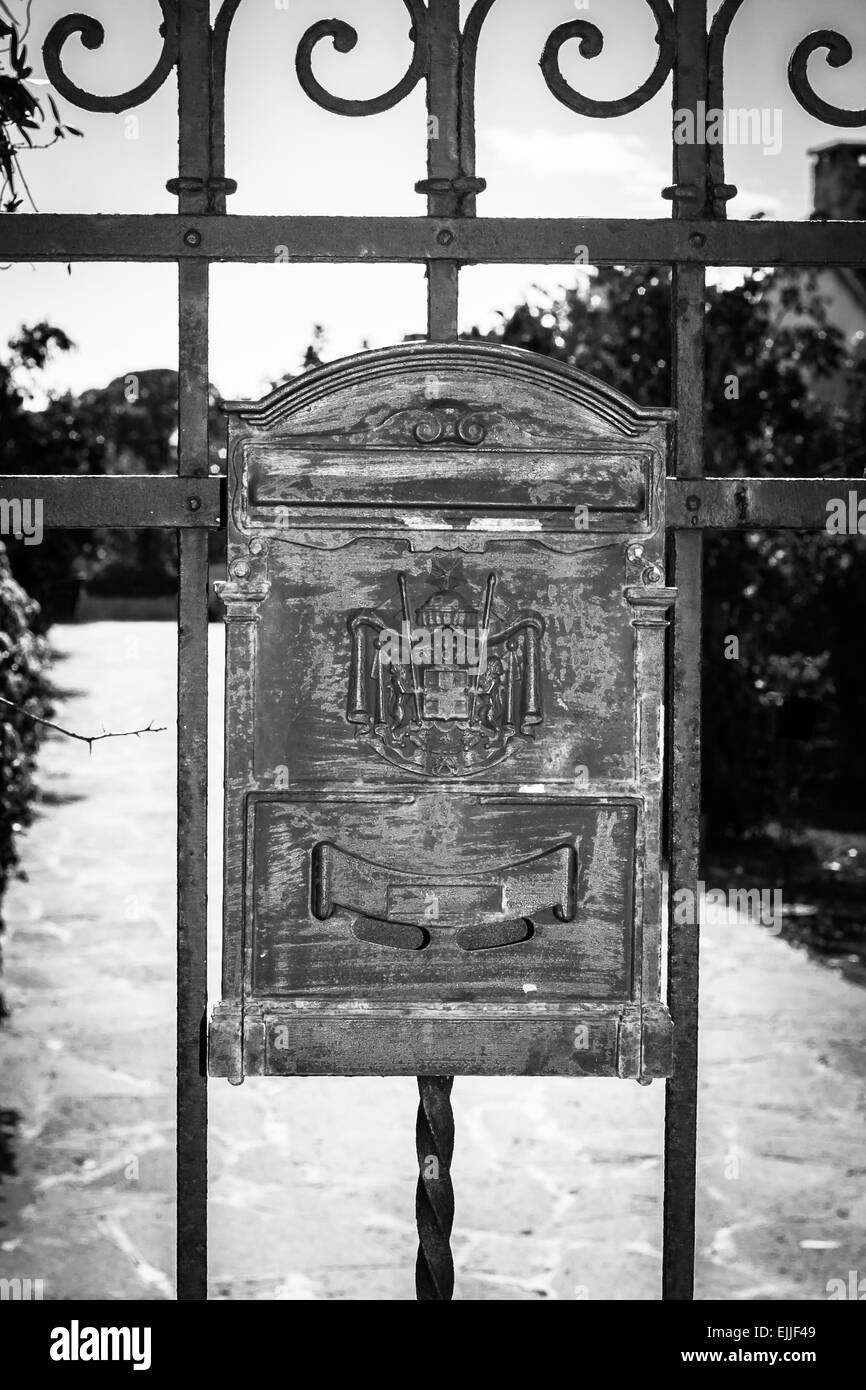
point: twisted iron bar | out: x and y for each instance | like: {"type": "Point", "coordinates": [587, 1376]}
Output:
{"type": "Point", "coordinates": [591, 45]}
{"type": "Point", "coordinates": [344, 38]}
{"type": "Point", "coordinates": [92, 35]}
{"type": "Point", "coordinates": [434, 1197]}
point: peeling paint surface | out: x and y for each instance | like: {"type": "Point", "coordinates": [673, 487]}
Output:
{"type": "Point", "coordinates": [397, 772]}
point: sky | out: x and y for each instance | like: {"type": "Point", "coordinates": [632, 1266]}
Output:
{"type": "Point", "coordinates": [290, 157]}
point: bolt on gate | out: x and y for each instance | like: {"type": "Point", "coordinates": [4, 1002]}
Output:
{"type": "Point", "coordinates": [457, 821]}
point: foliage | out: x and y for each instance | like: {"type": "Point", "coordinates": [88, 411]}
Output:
{"type": "Point", "coordinates": [23, 118]}
{"type": "Point", "coordinates": [782, 721]}
{"type": "Point", "coordinates": [129, 426]}
{"type": "Point", "coordinates": [23, 680]}
{"type": "Point", "coordinates": [34, 441]}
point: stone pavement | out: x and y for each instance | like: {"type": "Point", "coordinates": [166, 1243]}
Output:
{"type": "Point", "coordinates": [558, 1182]}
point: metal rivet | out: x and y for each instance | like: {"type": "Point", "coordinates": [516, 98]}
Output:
{"type": "Point", "coordinates": [256, 547]}
{"type": "Point", "coordinates": [697, 239]}
{"type": "Point", "coordinates": [635, 553]}
{"type": "Point", "coordinates": [194, 503]}
{"type": "Point", "coordinates": [445, 237]}
{"type": "Point", "coordinates": [214, 469]}
{"type": "Point", "coordinates": [192, 237]}
{"type": "Point", "coordinates": [241, 569]}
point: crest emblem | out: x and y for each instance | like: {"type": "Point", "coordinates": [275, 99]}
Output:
{"type": "Point", "coordinates": [445, 696]}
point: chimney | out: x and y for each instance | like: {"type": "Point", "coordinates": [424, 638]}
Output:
{"type": "Point", "coordinates": [839, 178]}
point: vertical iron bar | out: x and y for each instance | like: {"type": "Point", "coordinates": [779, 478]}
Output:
{"type": "Point", "coordinates": [194, 107]}
{"type": "Point", "coordinates": [443, 159]}
{"type": "Point", "coordinates": [691, 180]}
{"type": "Point", "coordinates": [434, 1131]}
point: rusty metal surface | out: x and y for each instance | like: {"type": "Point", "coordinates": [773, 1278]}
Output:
{"type": "Point", "coordinates": [434, 1197]}
{"type": "Point", "coordinates": [591, 42]}
{"type": "Point", "coordinates": [344, 38]}
{"type": "Point", "coordinates": [744, 504]}
{"type": "Point", "coordinates": [691, 171]}
{"type": "Point", "coordinates": [72, 503]}
{"type": "Point", "coordinates": [445, 174]}
{"type": "Point", "coordinates": [432, 838]}
{"type": "Point", "coordinates": [423, 19]}
{"type": "Point", "coordinates": [609, 241]}
{"type": "Point", "coordinates": [192, 689]}
{"type": "Point", "coordinates": [92, 35]}
{"type": "Point", "coordinates": [838, 53]}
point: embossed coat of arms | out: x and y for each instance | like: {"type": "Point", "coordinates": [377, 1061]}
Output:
{"type": "Point", "coordinates": [445, 695]}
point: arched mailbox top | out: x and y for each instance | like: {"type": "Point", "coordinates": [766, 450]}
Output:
{"type": "Point", "coordinates": [465, 437]}
{"type": "Point", "coordinates": [537, 393]}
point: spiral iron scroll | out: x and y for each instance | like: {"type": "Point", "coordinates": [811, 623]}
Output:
{"type": "Point", "coordinates": [591, 45]}
{"type": "Point", "coordinates": [92, 35]}
{"type": "Point", "coordinates": [344, 39]}
{"type": "Point", "coordinates": [839, 53]}
{"type": "Point", "coordinates": [434, 1199]}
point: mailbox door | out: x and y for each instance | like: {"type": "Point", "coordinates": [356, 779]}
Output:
{"type": "Point", "coordinates": [445, 612]}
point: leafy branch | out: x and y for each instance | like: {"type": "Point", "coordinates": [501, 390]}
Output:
{"type": "Point", "coordinates": [23, 118]}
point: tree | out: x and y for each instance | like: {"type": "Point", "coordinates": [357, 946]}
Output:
{"type": "Point", "coordinates": [782, 718]}
{"type": "Point", "coordinates": [129, 426]}
{"type": "Point", "coordinates": [54, 440]}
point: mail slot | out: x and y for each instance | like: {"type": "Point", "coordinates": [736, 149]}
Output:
{"type": "Point", "coordinates": [446, 612]}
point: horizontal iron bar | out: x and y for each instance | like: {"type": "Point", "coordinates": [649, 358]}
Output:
{"type": "Point", "coordinates": [785, 504]}
{"type": "Point", "coordinates": [167, 502]}
{"type": "Point", "coordinates": [595, 241]}
{"type": "Point", "coordinates": [150, 500]}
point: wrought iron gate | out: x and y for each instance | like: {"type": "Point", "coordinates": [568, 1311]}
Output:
{"type": "Point", "coordinates": [448, 237]}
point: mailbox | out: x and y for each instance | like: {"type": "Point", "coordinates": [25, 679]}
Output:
{"type": "Point", "coordinates": [446, 610]}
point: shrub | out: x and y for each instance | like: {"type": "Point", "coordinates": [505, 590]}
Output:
{"type": "Point", "coordinates": [24, 660]}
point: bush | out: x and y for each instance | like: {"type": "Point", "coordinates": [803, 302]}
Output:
{"type": "Point", "coordinates": [24, 659]}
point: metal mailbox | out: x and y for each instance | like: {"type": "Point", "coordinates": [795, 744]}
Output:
{"type": "Point", "coordinates": [446, 614]}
